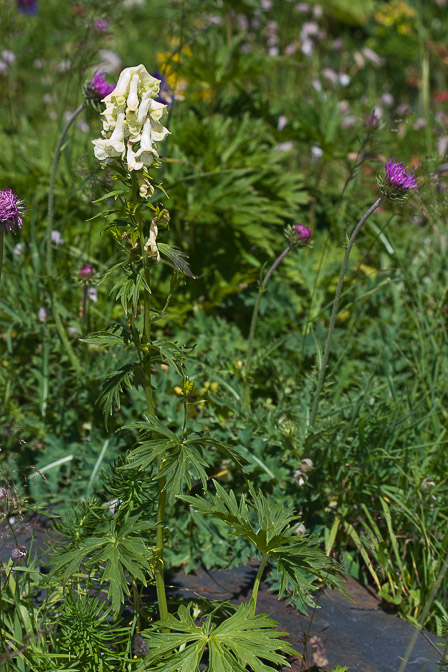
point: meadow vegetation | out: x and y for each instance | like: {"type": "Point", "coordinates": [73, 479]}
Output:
{"type": "Point", "coordinates": [167, 396]}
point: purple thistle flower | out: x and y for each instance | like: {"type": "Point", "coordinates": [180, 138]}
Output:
{"type": "Point", "coordinates": [302, 233]}
{"type": "Point", "coordinates": [97, 89]}
{"type": "Point", "coordinates": [86, 272]}
{"type": "Point", "coordinates": [399, 175]}
{"type": "Point", "coordinates": [10, 210]}
{"type": "Point", "coordinates": [397, 181]}
{"type": "Point", "coordinates": [27, 6]}
{"type": "Point", "coordinates": [101, 25]}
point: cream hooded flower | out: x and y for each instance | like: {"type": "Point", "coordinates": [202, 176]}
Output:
{"type": "Point", "coordinates": [131, 124]}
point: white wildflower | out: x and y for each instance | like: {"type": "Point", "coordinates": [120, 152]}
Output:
{"type": "Point", "coordinates": [306, 465]}
{"type": "Point", "coordinates": [131, 124]}
{"type": "Point", "coordinates": [56, 238]}
{"type": "Point", "coordinates": [151, 248]}
{"type": "Point", "coordinates": [92, 294]}
{"type": "Point", "coordinates": [8, 56]}
{"type": "Point", "coordinates": [301, 529]}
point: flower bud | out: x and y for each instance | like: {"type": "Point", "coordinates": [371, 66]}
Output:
{"type": "Point", "coordinates": [11, 207]}
{"type": "Point", "coordinates": [427, 484]}
{"type": "Point", "coordinates": [302, 233]}
{"type": "Point", "coordinates": [18, 555]}
{"type": "Point", "coordinates": [306, 465]}
{"type": "Point", "coordinates": [86, 272]}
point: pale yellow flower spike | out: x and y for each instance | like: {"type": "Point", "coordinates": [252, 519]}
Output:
{"type": "Point", "coordinates": [131, 122]}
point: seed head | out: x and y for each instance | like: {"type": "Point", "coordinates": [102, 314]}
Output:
{"type": "Point", "coordinates": [18, 555]}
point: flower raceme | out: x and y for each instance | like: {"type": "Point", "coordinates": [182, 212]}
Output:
{"type": "Point", "coordinates": [131, 124]}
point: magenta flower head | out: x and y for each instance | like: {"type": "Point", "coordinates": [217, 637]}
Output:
{"type": "Point", "coordinates": [397, 181]}
{"type": "Point", "coordinates": [97, 89]}
{"type": "Point", "coordinates": [101, 25]}
{"type": "Point", "coordinates": [86, 272]}
{"type": "Point", "coordinates": [10, 210]}
{"type": "Point", "coordinates": [302, 233]}
{"type": "Point", "coordinates": [298, 235]}
{"type": "Point", "coordinates": [27, 6]}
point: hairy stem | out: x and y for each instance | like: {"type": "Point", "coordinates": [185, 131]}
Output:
{"type": "Point", "coordinates": [64, 338]}
{"type": "Point", "coordinates": [2, 242]}
{"type": "Point", "coordinates": [161, 508]}
{"type": "Point", "coordinates": [423, 616]}
{"type": "Point", "coordinates": [50, 216]}
{"type": "Point", "coordinates": [334, 311]}
{"type": "Point", "coordinates": [257, 582]}
{"type": "Point", "coordinates": [253, 325]}
{"type": "Point", "coordinates": [54, 170]}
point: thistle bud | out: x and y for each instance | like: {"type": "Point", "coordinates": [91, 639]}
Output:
{"type": "Point", "coordinates": [18, 555]}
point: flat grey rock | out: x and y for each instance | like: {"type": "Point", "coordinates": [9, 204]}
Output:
{"type": "Point", "coordinates": [357, 634]}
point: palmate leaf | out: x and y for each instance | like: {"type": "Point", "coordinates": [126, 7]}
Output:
{"type": "Point", "coordinates": [117, 334]}
{"type": "Point", "coordinates": [269, 527]}
{"type": "Point", "coordinates": [271, 519]}
{"type": "Point", "coordinates": [112, 387]}
{"type": "Point", "coordinates": [119, 549]}
{"type": "Point", "coordinates": [129, 286]}
{"type": "Point", "coordinates": [171, 353]}
{"type": "Point", "coordinates": [241, 642]}
{"type": "Point", "coordinates": [182, 455]}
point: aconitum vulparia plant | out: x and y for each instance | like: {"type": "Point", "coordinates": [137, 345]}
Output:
{"type": "Point", "coordinates": [169, 454]}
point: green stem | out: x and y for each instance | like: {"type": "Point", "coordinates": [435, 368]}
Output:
{"type": "Point", "coordinates": [2, 242]}
{"type": "Point", "coordinates": [159, 569]}
{"type": "Point", "coordinates": [136, 605]}
{"type": "Point", "coordinates": [257, 583]}
{"type": "Point", "coordinates": [2, 637]}
{"type": "Point", "coordinates": [253, 325]}
{"type": "Point", "coordinates": [229, 28]}
{"type": "Point", "coordinates": [161, 508]}
{"type": "Point", "coordinates": [45, 369]}
{"type": "Point", "coordinates": [423, 616]}
{"type": "Point", "coordinates": [146, 337]}
{"type": "Point", "coordinates": [50, 216]}
{"type": "Point", "coordinates": [54, 170]}
{"type": "Point", "coordinates": [64, 338]}
{"type": "Point", "coordinates": [334, 311]}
